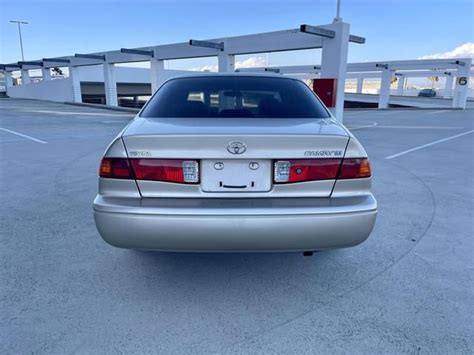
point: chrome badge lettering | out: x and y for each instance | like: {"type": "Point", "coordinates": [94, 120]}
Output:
{"type": "Point", "coordinates": [324, 153]}
{"type": "Point", "coordinates": [139, 153]}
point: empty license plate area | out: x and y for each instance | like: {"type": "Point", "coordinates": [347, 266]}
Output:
{"type": "Point", "coordinates": [236, 175]}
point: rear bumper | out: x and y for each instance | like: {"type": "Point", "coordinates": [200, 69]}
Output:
{"type": "Point", "coordinates": [284, 224]}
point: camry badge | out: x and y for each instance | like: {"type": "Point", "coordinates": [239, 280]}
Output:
{"type": "Point", "coordinates": [236, 148]}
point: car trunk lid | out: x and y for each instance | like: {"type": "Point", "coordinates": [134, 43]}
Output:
{"type": "Point", "coordinates": [236, 155]}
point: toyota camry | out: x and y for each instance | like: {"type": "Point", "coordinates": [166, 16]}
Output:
{"type": "Point", "coordinates": [234, 162]}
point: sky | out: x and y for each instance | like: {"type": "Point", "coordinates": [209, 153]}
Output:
{"type": "Point", "coordinates": [394, 29]}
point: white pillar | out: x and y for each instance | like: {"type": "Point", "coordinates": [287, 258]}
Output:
{"type": "Point", "coordinates": [110, 85]}
{"type": "Point", "coordinates": [157, 68]}
{"type": "Point", "coordinates": [76, 84]}
{"type": "Point", "coordinates": [360, 84]}
{"type": "Point", "coordinates": [400, 84]}
{"type": "Point", "coordinates": [226, 62]}
{"type": "Point", "coordinates": [334, 62]}
{"type": "Point", "coordinates": [25, 77]}
{"type": "Point", "coordinates": [8, 79]}
{"type": "Point", "coordinates": [448, 88]}
{"type": "Point", "coordinates": [384, 94]}
{"type": "Point", "coordinates": [462, 84]}
{"type": "Point", "coordinates": [46, 72]}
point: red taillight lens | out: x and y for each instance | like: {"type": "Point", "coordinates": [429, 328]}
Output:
{"type": "Point", "coordinates": [355, 169]}
{"type": "Point", "coordinates": [115, 168]}
{"type": "Point", "coordinates": [181, 171]}
{"type": "Point", "coordinates": [299, 170]}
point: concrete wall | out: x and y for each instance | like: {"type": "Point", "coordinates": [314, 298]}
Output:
{"type": "Point", "coordinates": [122, 74]}
{"type": "Point", "coordinates": [59, 90]}
{"type": "Point", "coordinates": [130, 82]}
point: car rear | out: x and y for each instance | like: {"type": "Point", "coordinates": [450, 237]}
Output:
{"type": "Point", "coordinates": [235, 163]}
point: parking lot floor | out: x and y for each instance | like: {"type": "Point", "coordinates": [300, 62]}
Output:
{"type": "Point", "coordinates": [407, 289]}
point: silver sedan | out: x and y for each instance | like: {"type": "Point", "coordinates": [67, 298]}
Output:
{"type": "Point", "coordinates": [235, 162]}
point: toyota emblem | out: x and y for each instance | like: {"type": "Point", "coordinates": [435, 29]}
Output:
{"type": "Point", "coordinates": [236, 148]}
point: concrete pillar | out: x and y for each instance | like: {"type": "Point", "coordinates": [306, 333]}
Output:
{"type": "Point", "coordinates": [448, 88]}
{"type": "Point", "coordinates": [76, 84]}
{"type": "Point", "coordinates": [8, 79]}
{"type": "Point", "coordinates": [25, 77]}
{"type": "Point", "coordinates": [462, 84]}
{"type": "Point", "coordinates": [360, 85]}
{"type": "Point", "coordinates": [157, 68]}
{"type": "Point", "coordinates": [226, 62]}
{"type": "Point", "coordinates": [334, 62]}
{"type": "Point", "coordinates": [400, 84]}
{"type": "Point", "coordinates": [110, 84]}
{"type": "Point", "coordinates": [46, 72]}
{"type": "Point", "coordinates": [384, 94]}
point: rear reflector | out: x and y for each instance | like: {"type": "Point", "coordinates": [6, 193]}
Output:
{"type": "Point", "coordinates": [300, 170]}
{"type": "Point", "coordinates": [115, 168]}
{"type": "Point", "coordinates": [355, 169]}
{"type": "Point", "coordinates": [180, 171]}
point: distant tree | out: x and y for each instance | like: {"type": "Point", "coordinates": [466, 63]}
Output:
{"type": "Point", "coordinates": [433, 80]}
{"type": "Point", "coordinates": [57, 71]}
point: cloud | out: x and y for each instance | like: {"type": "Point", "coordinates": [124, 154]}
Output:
{"type": "Point", "coordinates": [251, 62]}
{"type": "Point", "coordinates": [207, 67]}
{"type": "Point", "coordinates": [463, 51]}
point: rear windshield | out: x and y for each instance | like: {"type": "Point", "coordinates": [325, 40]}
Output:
{"type": "Point", "coordinates": [229, 96]}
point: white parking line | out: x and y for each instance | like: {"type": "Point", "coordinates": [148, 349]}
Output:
{"type": "Point", "coordinates": [419, 127]}
{"type": "Point", "coordinates": [354, 127]}
{"type": "Point", "coordinates": [23, 135]}
{"type": "Point", "coordinates": [369, 125]}
{"type": "Point", "coordinates": [428, 145]}
{"type": "Point", "coordinates": [78, 113]}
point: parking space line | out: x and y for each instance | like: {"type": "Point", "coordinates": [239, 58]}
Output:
{"type": "Point", "coordinates": [419, 127]}
{"type": "Point", "coordinates": [80, 113]}
{"type": "Point", "coordinates": [428, 145]}
{"type": "Point", "coordinates": [356, 127]}
{"type": "Point", "coordinates": [23, 135]}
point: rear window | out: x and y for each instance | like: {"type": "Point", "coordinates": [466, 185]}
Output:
{"type": "Point", "coordinates": [227, 96]}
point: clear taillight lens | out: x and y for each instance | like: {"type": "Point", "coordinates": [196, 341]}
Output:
{"type": "Point", "coordinates": [168, 170]}
{"type": "Point", "coordinates": [281, 171]}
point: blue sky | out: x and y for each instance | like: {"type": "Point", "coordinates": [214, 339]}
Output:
{"type": "Point", "coordinates": [395, 29]}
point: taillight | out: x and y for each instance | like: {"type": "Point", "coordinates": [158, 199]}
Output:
{"type": "Point", "coordinates": [355, 168]}
{"type": "Point", "coordinates": [169, 170]}
{"type": "Point", "coordinates": [115, 168]}
{"type": "Point", "coordinates": [299, 170]}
